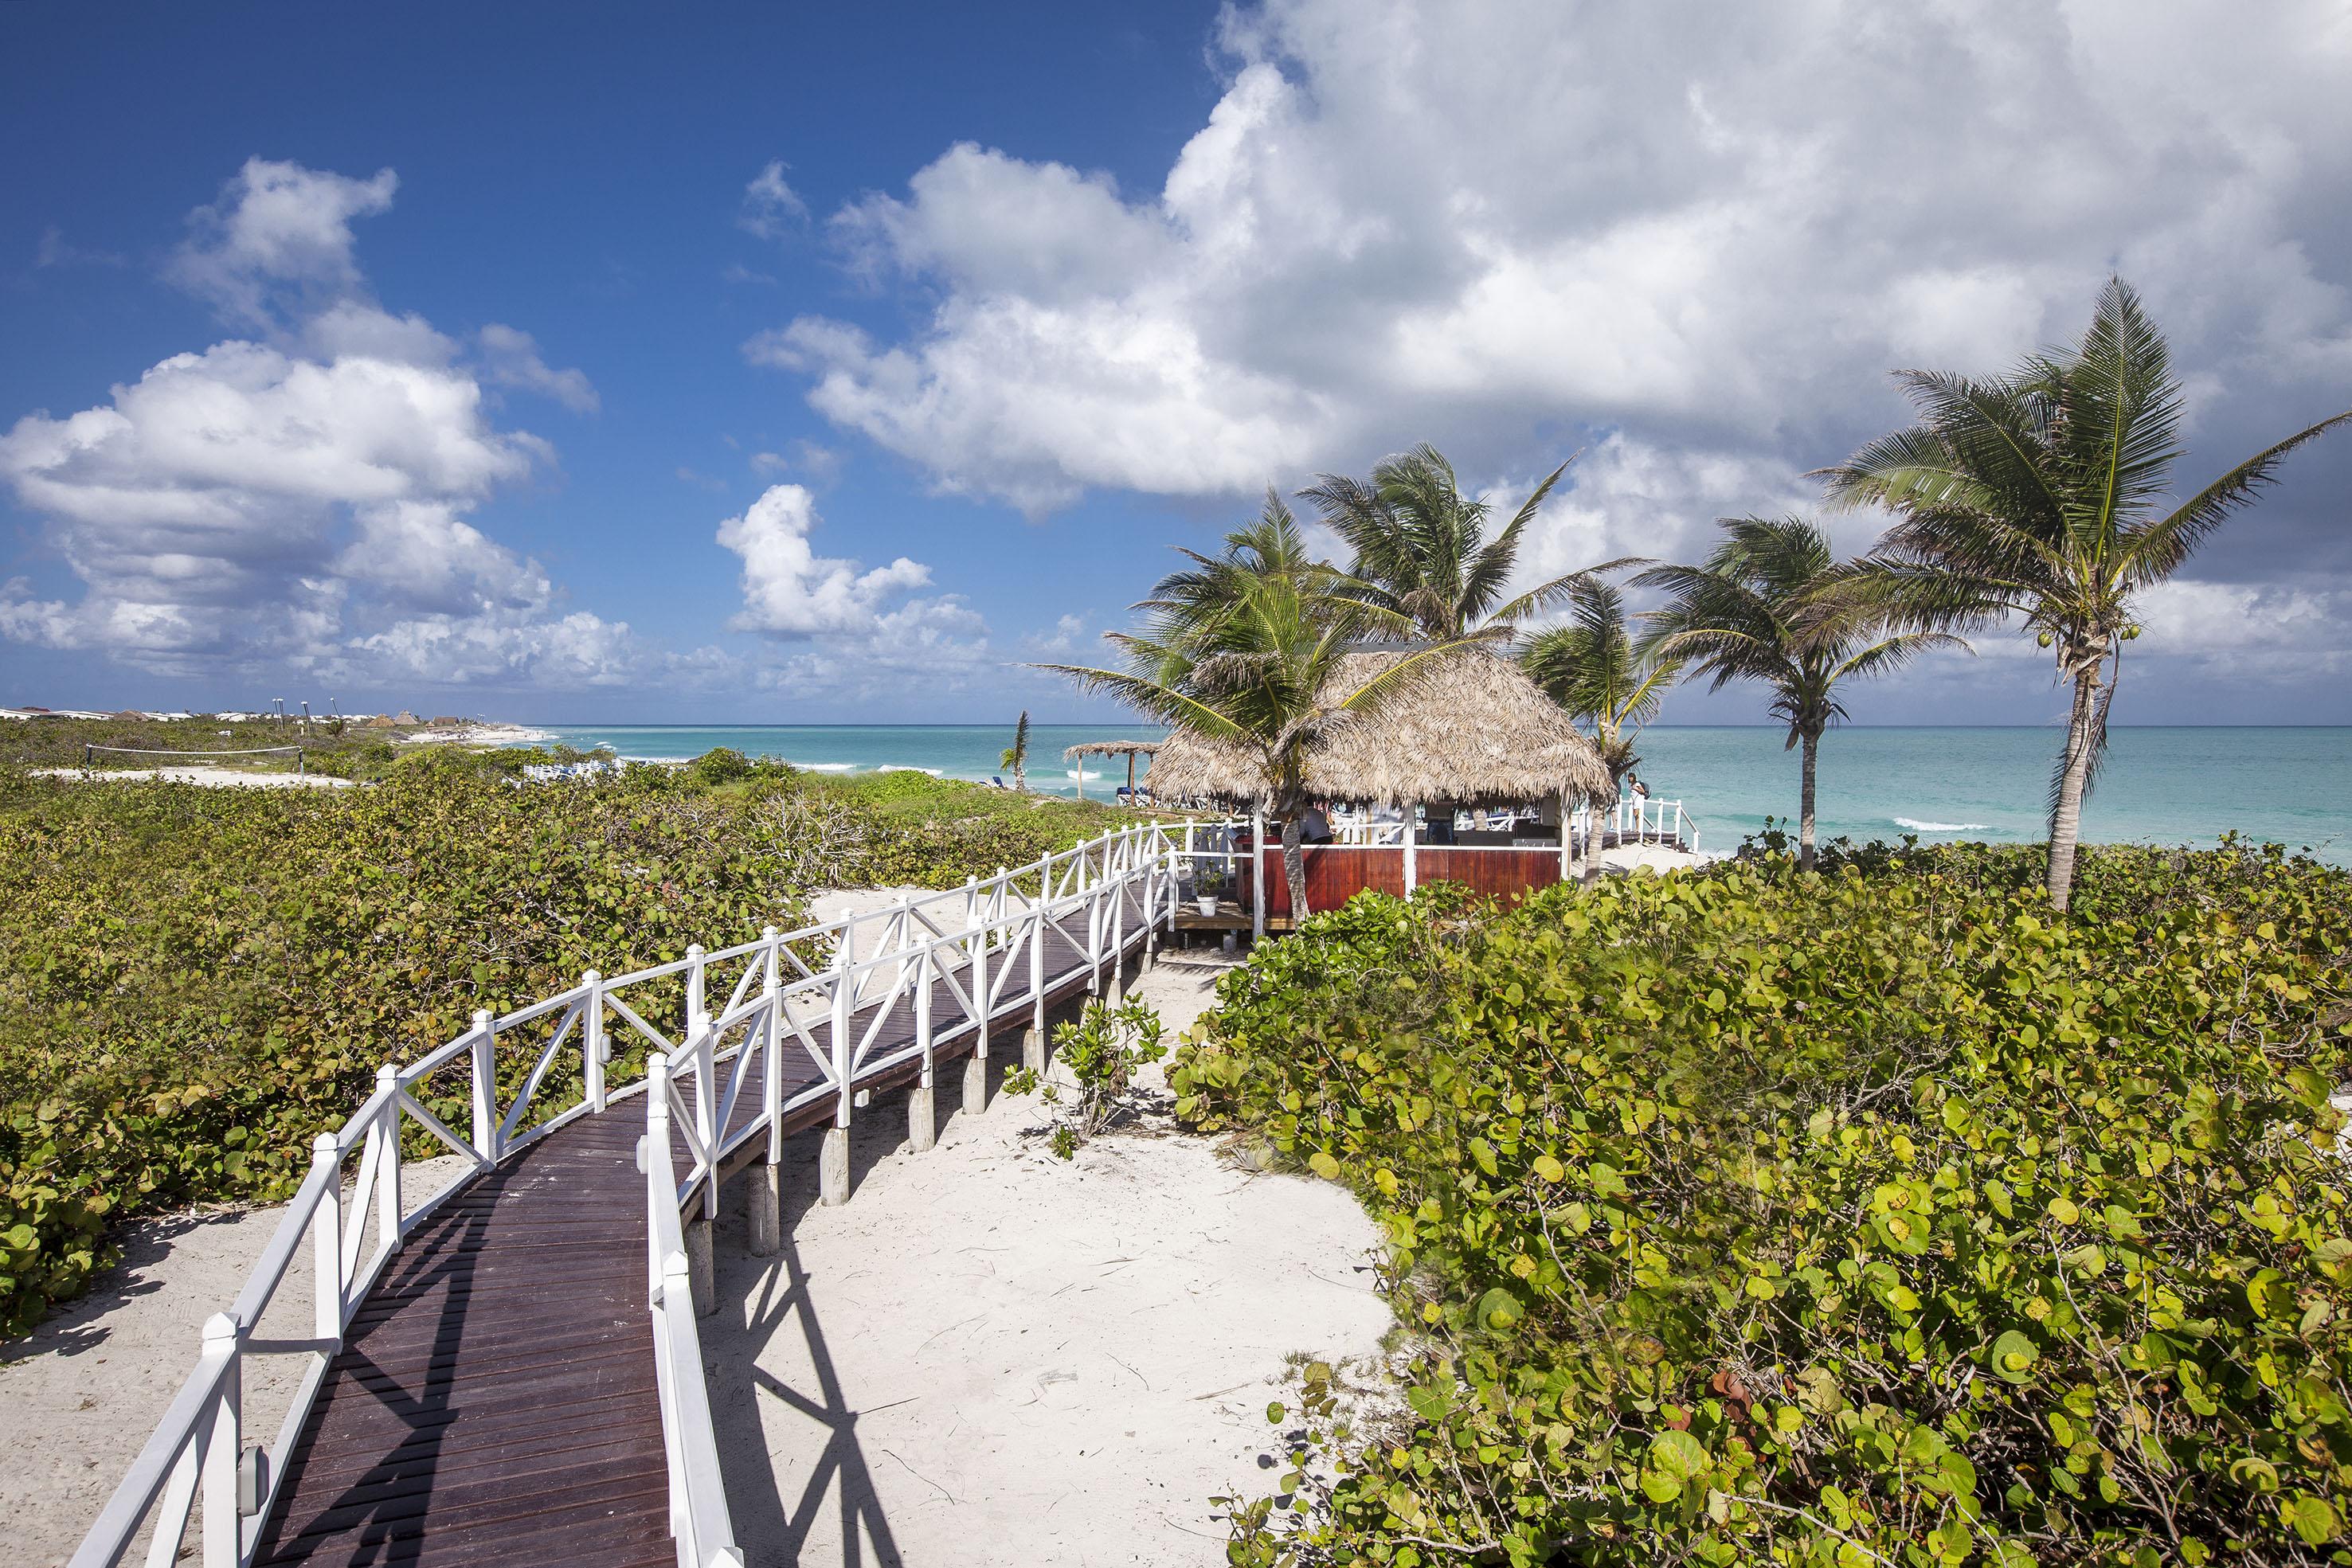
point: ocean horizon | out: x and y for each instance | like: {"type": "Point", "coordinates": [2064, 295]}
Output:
{"type": "Point", "coordinates": [2162, 784]}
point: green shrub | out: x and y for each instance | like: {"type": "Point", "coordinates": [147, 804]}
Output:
{"type": "Point", "coordinates": [719, 765]}
{"type": "Point", "coordinates": [1102, 1049]}
{"type": "Point", "coordinates": [193, 982]}
{"type": "Point", "coordinates": [1868, 1217]}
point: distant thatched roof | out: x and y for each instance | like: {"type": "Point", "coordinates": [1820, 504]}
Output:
{"type": "Point", "coordinates": [1112, 749]}
{"type": "Point", "coordinates": [1471, 728]}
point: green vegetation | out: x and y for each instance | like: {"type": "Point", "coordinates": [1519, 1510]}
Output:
{"type": "Point", "coordinates": [1243, 649]}
{"type": "Point", "coordinates": [1593, 669]}
{"type": "Point", "coordinates": [1741, 616]}
{"type": "Point", "coordinates": [1864, 1216]}
{"type": "Point", "coordinates": [193, 982]}
{"type": "Point", "coordinates": [1421, 552]}
{"type": "Point", "coordinates": [2041, 497]}
{"type": "Point", "coordinates": [1102, 1049]}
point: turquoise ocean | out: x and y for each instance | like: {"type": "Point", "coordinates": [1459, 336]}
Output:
{"type": "Point", "coordinates": [2160, 785]}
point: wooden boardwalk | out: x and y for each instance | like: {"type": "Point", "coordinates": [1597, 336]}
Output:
{"type": "Point", "coordinates": [494, 1400]}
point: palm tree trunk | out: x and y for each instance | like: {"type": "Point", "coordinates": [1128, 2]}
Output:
{"type": "Point", "coordinates": [1294, 866]}
{"type": "Point", "coordinates": [1812, 742]}
{"type": "Point", "coordinates": [2066, 812]}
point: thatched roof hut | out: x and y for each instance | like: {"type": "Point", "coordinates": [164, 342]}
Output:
{"type": "Point", "coordinates": [1469, 727]}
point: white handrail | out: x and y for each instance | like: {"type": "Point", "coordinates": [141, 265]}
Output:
{"type": "Point", "coordinates": [201, 1437]}
{"type": "Point", "coordinates": [699, 1518]}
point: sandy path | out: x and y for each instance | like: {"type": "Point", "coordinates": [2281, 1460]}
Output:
{"type": "Point", "coordinates": [989, 1355]}
{"type": "Point", "coordinates": [218, 778]}
{"type": "Point", "coordinates": [993, 1357]}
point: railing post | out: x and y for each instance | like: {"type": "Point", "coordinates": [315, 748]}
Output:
{"type": "Point", "coordinates": [832, 1157]}
{"type": "Point", "coordinates": [1187, 865]}
{"type": "Point", "coordinates": [765, 1197]}
{"type": "Point", "coordinates": [975, 1066]}
{"type": "Point", "coordinates": [485, 1085]}
{"type": "Point", "coordinates": [922, 1118]}
{"type": "Point", "coordinates": [387, 1168]}
{"type": "Point", "coordinates": [1117, 886]}
{"type": "Point", "coordinates": [702, 1043]}
{"type": "Point", "coordinates": [1033, 1043]}
{"type": "Point", "coordinates": [224, 1540]}
{"type": "Point", "coordinates": [1257, 875]}
{"type": "Point", "coordinates": [327, 1243]}
{"type": "Point", "coordinates": [694, 1008]}
{"type": "Point", "coordinates": [592, 1039]}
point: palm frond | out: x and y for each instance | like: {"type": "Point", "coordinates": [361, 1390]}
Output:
{"type": "Point", "coordinates": [2152, 553]}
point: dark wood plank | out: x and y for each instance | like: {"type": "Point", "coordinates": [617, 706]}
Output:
{"type": "Point", "coordinates": [494, 1399]}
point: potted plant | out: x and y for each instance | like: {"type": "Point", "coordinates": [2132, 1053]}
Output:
{"type": "Point", "coordinates": [1207, 882]}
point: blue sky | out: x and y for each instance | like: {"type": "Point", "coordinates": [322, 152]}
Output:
{"type": "Point", "coordinates": [824, 364]}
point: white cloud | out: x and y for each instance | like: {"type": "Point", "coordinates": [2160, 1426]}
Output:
{"type": "Point", "coordinates": [300, 500]}
{"type": "Point", "coordinates": [770, 207]}
{"type": "Point", "coordinates": [510, 358]}
{"type": "Point", "coordinates": [810, 458]}
{"type": "Point", "coordinates": [280, 237]}
{"type": "Point", "coordinates": [790, 591]}
{"type": "Point", "coordinates": [1715, 233]}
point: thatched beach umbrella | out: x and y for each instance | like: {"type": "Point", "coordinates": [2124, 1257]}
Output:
{"type": "Point", "coordinates": [1130, 750]}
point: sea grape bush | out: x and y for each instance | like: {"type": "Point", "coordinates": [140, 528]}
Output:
{"type": "Point", "coordinates": [193, 982]}
{"type": "Point", "coordinates": [1876, 1217]}
{"type": "Point", "coordinates": [1102, 1049]}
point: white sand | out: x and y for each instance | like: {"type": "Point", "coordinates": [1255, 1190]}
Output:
{"type": "Point", "coordinates": [1651, 858]}
{"type": "Point", "coordinates": [989, 1355]}
{"type": "Point", "coordinates": [218, 778]}
{"type": "Point", "coordinates": [479, 735]}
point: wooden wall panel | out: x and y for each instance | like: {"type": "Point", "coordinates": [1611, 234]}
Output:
{"type": "Point", "coordinates": [1337, 873]}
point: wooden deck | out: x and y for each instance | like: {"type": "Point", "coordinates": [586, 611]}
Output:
{"type": "Point", "coordinates": [494, 1400]}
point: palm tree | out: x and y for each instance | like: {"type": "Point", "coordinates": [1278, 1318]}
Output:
{"type": "Point", "coordinates": [1591, 667]}
{"type": "Point", "coordinates": [1016, 755]}
{"type": "Point", "coordinates": [1746, 613]}
{"type": "Point", "coordinates": [1421, 550]}
{"type": "Point", "coordinates": [2041, 495]}
{"type": "Point", "coordinates": [1245, 650]}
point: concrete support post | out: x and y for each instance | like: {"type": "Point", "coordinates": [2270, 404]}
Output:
{"type": "Point", "coordinates": [922, 1119]}
{"type": "Point", "coordinates": [702, 1269]}
{"type": "Point", "coordinates": [763, 1187]}
{"type": "Point", "coordinates": [975, 1085]}
{"type": "Point", "coordinates": [1032, 1047]}
{"type": "Point", "coordinates": [833, 1168]}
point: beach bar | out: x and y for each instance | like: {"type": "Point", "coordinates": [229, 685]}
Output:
{"type": "Point", "coordinates": [1472, 741]}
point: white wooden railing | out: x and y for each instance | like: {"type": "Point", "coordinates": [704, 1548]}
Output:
{"type": "Point", "coordinates": [984, 943]}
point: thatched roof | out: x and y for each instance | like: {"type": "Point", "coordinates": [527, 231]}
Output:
{"type": "Point", "coordinates": [1470, 728]}
{"type": "Point", "coordinates": [1112, 749]}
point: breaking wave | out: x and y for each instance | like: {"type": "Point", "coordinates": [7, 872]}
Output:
{"type": "Point", "coordinates": [1917, 826]}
